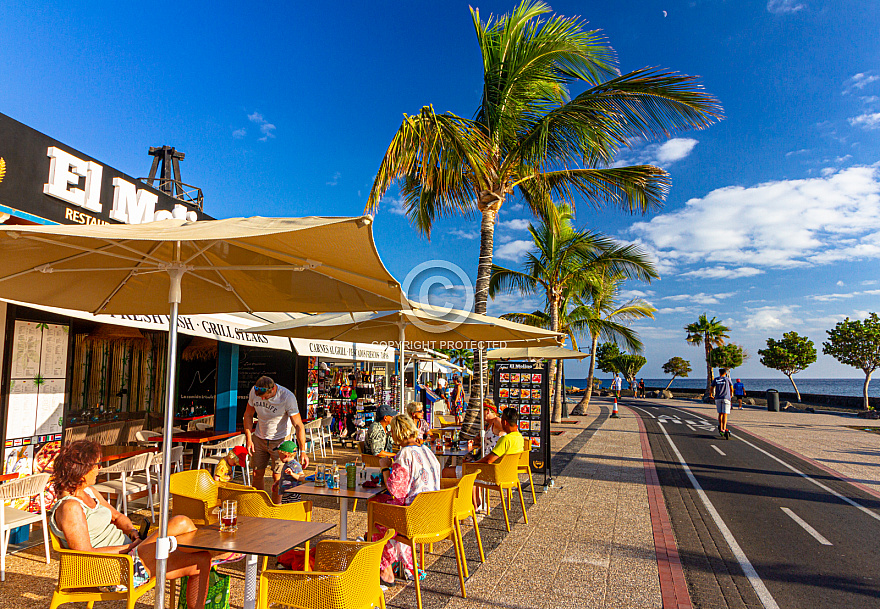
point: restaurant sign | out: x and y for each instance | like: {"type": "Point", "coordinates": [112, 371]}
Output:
{"type": "Point", "coordinates": [49, 182]}
{"type": "Point", "coordinates": [342, 351]}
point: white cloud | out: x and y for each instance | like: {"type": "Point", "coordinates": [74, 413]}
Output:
{"type": "Point", "coordinates": [630, 294]}
{"type": "Point", "coordinates": [514, 250]}
{"type": "Point", "coordinates": [784, 7]}
{"type": "Point", "coordinates": [844, 296]}
{"type": "Point", "coordinates": [868, 120]}
{"type": "Point", "coordinates": [239, 133]}
{"type": "Point", "coordinates": [664, 154]}
{"type": "Point", "coordinates": [780, 317]}
{"type": "Point", "coordinates": [782, 224]}
{"type": "Point", "coordinates": [797, 152]}
{"type": "Point", "coordinates": [840, 283]}
{"type": "Point", "coordinates": [394, 205]}
{"type": "Point", "coordinates": [701, 298]}
{"type": "Point", "coordinates": [515, 224]}
{"type": "Point", "coordinates": [674, 310]}
{"type": "Point", "coordinates": [720, 272]}
{"type": "Point", "coordinates": [512, 303]}
{"type": "Point", "coordinates": [335, 179]}
{"type": "Point", "coordinates": [465, 234]}
{"type": "Point", "coordinates": [859, 81]}
{"type": "Point", "coordinates": [266, 128]}
{"type": "Point", "coordinates": [675, 149]}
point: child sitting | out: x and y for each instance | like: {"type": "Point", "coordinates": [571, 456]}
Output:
{"type": "Point", "coordinates": [235, 457]}
{"type": "Point", "coordinates": [291, 475]}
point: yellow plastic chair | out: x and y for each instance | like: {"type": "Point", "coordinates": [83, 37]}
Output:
{"type": "Point", "coordinates": [194, 493]}
{"type": "Point", "coordinates": [500, 476]}
{"type": "Point", "coordinates": [428, 519]}
{"type": "Point", "coordinates": [346, 576]}
{"type": "Point", "coordinates": [464, 509]}
{"type": "Point", "coordinates": [525, 467]}
{"type": "Point", "coordinates": [444, 422]}
{"type": "Point", "coordinates": [80, 574]}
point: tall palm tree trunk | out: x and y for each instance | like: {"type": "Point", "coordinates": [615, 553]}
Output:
{"type": "Point", "coordinates": [581, 408]}
{"type": "Point", "coordinates": [555, 369]}
{"type": "Point", "coordinates": [470, 426]}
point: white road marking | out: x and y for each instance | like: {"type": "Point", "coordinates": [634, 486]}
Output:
{"type": "Point", "coordinates": [645, 411]}
{"type": "Point", "coordinates": [807, 527]}
{"type": "Point", "coordinates": [870, 513]}
{"type": "Point", "coordinates": [718, 450]}
{"type": "Point", "coordinates": [749, 570]}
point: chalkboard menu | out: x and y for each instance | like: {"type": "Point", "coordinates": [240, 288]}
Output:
{"type": "Point", "coordinates": [254, 362]}
{"type": "Point", "coordinates": [524, 386]}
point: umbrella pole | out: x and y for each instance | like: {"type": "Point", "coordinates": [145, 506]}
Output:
{"type": "Point", "coordinates": [482, 408]}
{"type": "Point", "coordinates": [164, 544]}
{"type": "Point", "coordinates": [400, 365]}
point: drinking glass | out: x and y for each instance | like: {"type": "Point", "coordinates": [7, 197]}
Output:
{"type": "Point", "coordinates": [229, 516]}
{"type": "Point", "coordinates": [319, 476]}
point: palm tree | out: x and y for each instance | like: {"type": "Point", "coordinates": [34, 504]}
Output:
{"type": "Point", "coordinates": [606, 319]}
{"type": "Point", "coordinates": [561, 263]}
{"type": "Point", "coordinates": [710, 333]}
{"type": "Point", "coordinates": [529, 136]}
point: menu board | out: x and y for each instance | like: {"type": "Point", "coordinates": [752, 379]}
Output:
{"type": "Point", "coordinates": [524, 386]}
{"type": "Point", "coordinates": [254, 362]}
{"type": "Point", "coordinates": [37, 387]}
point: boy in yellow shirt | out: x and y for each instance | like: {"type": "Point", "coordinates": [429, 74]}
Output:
{"type": "Point", "coordinates": [235, 457]}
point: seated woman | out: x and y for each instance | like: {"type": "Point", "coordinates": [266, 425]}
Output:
{"type": "Point", "coordinates": [416, 412]}
{"type": "Point", "coordinates": [414, 470]}
{"type": "Point", "coordinates": [83, 520]}
{"type": "Point", "coordinates": [494, 432]}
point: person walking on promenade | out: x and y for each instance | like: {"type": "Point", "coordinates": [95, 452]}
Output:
{"type": "Point", "coordinates": [642, 388]}
{"type": "Point", "coordinates": [276, 409]}
{"type": "Point", "coordinates": [722, 391]}
{"type": "Point", "coordinates": [616, 385]}
{"type": "Point", "coordinates": [457, 399]}
{"type": "Point", "coordinates": [739, 392]}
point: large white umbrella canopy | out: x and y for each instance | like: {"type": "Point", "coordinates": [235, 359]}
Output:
{"type": "Point", "coordinates": [535, 353]}
{"type": "Point", "coordinates": [213, 266]}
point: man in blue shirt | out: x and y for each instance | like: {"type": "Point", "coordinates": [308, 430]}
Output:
{"type": "Point", "coordinates": [722, 390]}
{"type": "Point", "coordinates": [739, 392]}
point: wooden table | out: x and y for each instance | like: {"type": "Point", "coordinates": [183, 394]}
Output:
{"type": "Point", "coordinates": [115, 452]}
{"type": "Point", "coordinates": [453, 455]}
{"type": "Point", "coordinates": [254, 537]}
{"type": "Point", "coordinates": [343, 494]}
{"type": "Point", "coordinates": [200, 437]}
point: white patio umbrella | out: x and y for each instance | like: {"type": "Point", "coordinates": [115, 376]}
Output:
{"type": "Point", "coordinates": [233, 265]}
{"type": "Point", "coordinates": [535, 353]}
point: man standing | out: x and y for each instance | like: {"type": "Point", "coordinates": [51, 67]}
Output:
{"type": "Point", "coordinates": [378, 438]}
{"type": "Point", "coordinates": [722, 391]}
{"type": "Point", "coordinates": [275, 408]}
{"type": "Point", "coordinates": [616, 386]}
{"type": "Point", "coordinates": [739, 391]}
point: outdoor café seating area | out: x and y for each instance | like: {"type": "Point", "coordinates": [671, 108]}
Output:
{"type": "Point", "coordinates": [448, 537]}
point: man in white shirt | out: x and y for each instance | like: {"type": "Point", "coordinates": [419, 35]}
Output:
{"type": "Point", "coordinates": [275, 408]}
{"type": "Point", "coordinates": [616, 386]}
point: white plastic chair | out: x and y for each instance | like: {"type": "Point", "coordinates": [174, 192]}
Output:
{"type": "Point", "coordinates": [314, 427]}
{"type": "Point", "coordinates": [127, 484]}
{"type": "Point", "coordinates": [212, 453]}
{"type": "Point", "coordinates": [327, 432]}
{"type": "Point", "coordinates": [11, 518]}
{"type": "Point", "coordinates": [204, 426]}
{"type": "Point", "coordinates": [146, 437]}
{"type": "Point", "coordinates": [155, 470]}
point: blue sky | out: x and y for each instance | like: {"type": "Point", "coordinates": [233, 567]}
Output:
{"type": "Point", "coordinates": [772, 223]}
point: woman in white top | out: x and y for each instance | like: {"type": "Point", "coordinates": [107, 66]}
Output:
{"type": "Point", "coordinates": [494, 429]}
{"type": "Point", "coordinates": [83, 520]}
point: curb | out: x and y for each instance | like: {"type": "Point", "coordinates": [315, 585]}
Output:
{"type": "Point", "coordinates": [673, 586]}
{"type": "Point", "coordinates": [794, 453]}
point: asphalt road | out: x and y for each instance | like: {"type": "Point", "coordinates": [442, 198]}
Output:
{"type": "Point", "coordinates": [754, 533]}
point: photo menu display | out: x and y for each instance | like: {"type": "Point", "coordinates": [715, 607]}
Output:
{"type": "Point", "coordinates": [524, 386]}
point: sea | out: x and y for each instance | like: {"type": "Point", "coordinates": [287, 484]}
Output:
{"type": "Point", "coordinates": [852, 387]}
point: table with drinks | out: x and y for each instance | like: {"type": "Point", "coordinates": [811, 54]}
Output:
{"type": "Point", "coordinates": [252, 536]}
{"type": "Point", "coordinates": [344, 484]}
{"type": "Point", "coordinates": [448, 445]}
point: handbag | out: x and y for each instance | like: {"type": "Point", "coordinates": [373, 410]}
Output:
{"type": "Point", "coordinates": [218, 591]}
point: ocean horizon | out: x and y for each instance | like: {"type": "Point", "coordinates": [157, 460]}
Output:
{"type": "Point", "coordinates": [849, 387]}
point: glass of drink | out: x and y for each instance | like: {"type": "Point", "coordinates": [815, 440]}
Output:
{"type": "Point", "coordinates": [319, 475]}
{"type": "Point", "coordinates": [229, 516]}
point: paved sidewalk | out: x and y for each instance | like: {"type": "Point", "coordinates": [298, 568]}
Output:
{"type": "Point", "coordinates": [589, 541]}
{"type": "Point", "coordinates": [827, 439]}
